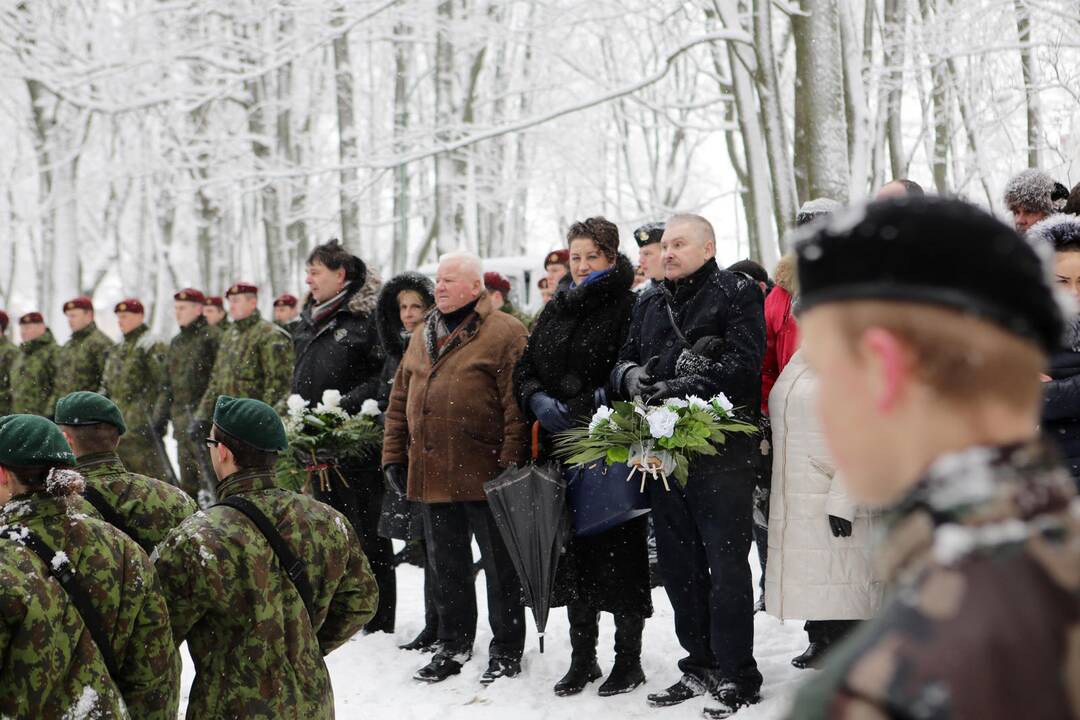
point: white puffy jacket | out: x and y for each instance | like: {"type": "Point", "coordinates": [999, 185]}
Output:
{"type": "Point", "coordinates": [810, 574]}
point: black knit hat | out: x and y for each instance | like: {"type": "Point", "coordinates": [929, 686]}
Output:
{"type": "Point", "coordinates": [935, 251]}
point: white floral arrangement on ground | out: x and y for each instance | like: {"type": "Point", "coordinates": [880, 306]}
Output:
{"type": "Point", "coordinates": [656, 441]}
{"type": "Point", "coordinates": [321, 437]}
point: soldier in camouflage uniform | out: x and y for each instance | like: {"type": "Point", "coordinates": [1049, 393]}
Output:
{"type": "Point", "coordinates": [133, 379]}
{"type": "Point", "coordinates": [80, 363]}
{"type": "Point", "coordinates": [34, 368]}
{"type": "Point", "coordinates": [50, 663]}
{"type": "Point", "coordinates": [930, 398]}
{"type": "Point", "coordinates": [258, 649]}
{"type": "Point", "coordinates": [188, 364]}
{"type": "Point", "coordinates": [145, 509]}
{"type": "Point", "coordinates": [255, 360]}
{"type": "Point", "coordinates": [214, 312]}
{"type": "Point", "coordinates": [498, 287]}
{"type": "Point", "coordinates": [287, 312]}
{"type": "Point", "coordinates": [8, 352]}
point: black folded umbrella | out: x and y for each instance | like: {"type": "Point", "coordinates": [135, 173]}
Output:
{"type": "Point", "coordinates": [530, 509]}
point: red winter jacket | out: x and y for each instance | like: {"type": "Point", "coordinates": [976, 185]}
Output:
{"type": "Point", "coordinates": [781, 332]}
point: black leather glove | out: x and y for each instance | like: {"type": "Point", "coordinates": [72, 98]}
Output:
{"type": "Point", "coordinates": [656, 391]}
{"type": "Point", "coordinates": [637, 379]}
{"type": "Point", "coordinates": [553, 415]}
{"type": "Point", "coordinates": [198, 430]}
{"type": "Point", "coordinates": [396, 478]}
{"type": "Point", "coordinates": [839, 526]}
{"type": "Point", "coordinates": [710, 346]}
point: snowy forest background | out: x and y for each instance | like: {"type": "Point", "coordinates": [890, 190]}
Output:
{"type": "Point", "coordinates": [155, 144]}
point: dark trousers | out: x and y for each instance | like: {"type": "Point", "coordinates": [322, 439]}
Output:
{"type": "Point", "coordinates": [703, 539]}
{"type": "Point", "coordinates": [828, 632]}
{"type": "Point", "coordinates": [359, 498]}
{"type": "Point", "coordinates": [585, 630]}
{"type": "Point", "coordinates": [431, 612]}
{"type": "Point", "coordinates": [446, 530]}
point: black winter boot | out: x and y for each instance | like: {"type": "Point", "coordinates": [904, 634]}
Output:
{"type": "Point", "coordinates": [584, 629]}
{"type": "Point", "coordinates": [627, 674]}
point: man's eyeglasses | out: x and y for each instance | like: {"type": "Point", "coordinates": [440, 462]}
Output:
{"type": "Point", "coordinates": [211, 442]}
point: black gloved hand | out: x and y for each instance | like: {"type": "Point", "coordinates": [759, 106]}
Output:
{"type": "Point", "coordinates": [656, 391]}
{"type": "Point", "coordinates": [839, 526]}
{"type": "Point", "coordinates": [553, 415]}
{"type": "Point", "coordinates": [710, 346]}
{"type": "Point", "coordinates": [396, 478]}
{"type": "Point", "coordinates": [637, 379]}
{"type": "Point", "coordinates": [198, 430]}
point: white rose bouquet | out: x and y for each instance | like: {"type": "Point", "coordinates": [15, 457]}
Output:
{"type": "Point", "coordinates": [323, 436]}
{"type": "Point", "coordinates": [657, 441]}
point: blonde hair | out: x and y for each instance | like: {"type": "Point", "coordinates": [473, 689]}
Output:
{"type": "Point", "coordinates": [962, 358]}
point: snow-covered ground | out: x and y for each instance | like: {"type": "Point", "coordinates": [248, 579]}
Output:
{"type": "Point", "coordinates": [373, 679]}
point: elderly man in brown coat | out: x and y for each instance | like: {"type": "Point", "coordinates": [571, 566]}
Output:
{"type": "Point", "coordinates": [453, 424]}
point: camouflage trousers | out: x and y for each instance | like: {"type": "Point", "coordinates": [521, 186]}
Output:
{"type": "Point", "coordinates": [191, 480]}
{"type": "Point", "coordinates": [137, 451]}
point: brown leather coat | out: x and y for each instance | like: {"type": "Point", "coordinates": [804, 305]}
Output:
{"type": "Point", "coordinates": [455, 420]}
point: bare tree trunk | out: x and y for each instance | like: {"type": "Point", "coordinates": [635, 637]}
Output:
{"type": "Point", "coordinates": [348, 185]}
{"type": "Point", "coordinates": [443, 229]}
{"type": "Point", "coordinates": [820, 79]}
{"type": "Point", "coordinates": [270, 208]}
{"type": "Point", "coordinates": [859, 147]}
{"type": "Point", "coordinates": [892, 86]}
{"type": "Point", "coordinates": [402, 66]}
{"type": "Point", "coordinates": [1030, 69]}
{"type": "Point", "coordinates": [939, 100]}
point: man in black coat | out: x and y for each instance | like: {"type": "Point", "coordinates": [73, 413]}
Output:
{"type": "Point", "coordinates": [702, 332]}
{"type": "Point", "coordinates": [337, 348]}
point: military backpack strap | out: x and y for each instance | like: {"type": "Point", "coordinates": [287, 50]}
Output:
{"type": "Point", "coordinates": [290, 563]}
{"type": "Point", "coordinates": [108, 512]}
{"type": "Point", "coordinates": [62, 571]}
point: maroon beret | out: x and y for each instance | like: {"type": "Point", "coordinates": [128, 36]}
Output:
{"type": "Point", "coordinates": [80, 303]}
{"type": "Point", "coordinates": [495, 281]}
{"type": "Point", "coordinates": [215, 301]}
{"type": "Point", "coordinates": [30, 318]}
{"type": "Point", "coordinates": [4, 321]}
{"type": "Point", "coordinates": [557, 257]}
{"type": "Point", "coordinates": [242, 288]}
{"type": "Point", "coordinates": [131, 305]}
{"type": "Point", "coordinates": [286, 300]}
{"type": "Point", "coordinates": [190, 295]}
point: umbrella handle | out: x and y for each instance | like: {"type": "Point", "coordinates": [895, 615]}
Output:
{"type": "Point", "coordinates": [541, 637]}
{"type": "Point", "coordinates": [536, 444]}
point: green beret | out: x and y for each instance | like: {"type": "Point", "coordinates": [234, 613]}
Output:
{"type": "Point", "coordinates": [88, 408]}
{"type": "Point", "coordinates": [252, 421]}
{"type": "Point", "coordinates": [32, 441]}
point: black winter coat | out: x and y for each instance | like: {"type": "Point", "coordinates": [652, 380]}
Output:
{"type": "Point", "coordinates": [343, 353]}
{"type": "Point", "coordinates": [574, 344]}
{"type": "Point", "coordinates": [399, 518]}
{"type": "Point", "coordinates": [709, 303]}
{"type": "Point", "coordinates": [1061, 408]}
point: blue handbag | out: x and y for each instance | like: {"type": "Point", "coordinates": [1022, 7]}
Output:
{"type": "Point", "coordinates": [600, 497]}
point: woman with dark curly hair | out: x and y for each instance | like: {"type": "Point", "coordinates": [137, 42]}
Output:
{"type": "Point", "coordinates": [560, 381]}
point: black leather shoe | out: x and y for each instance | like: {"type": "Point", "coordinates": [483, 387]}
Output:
{"type": "Point", "coordinates": [625, 677]}
{"type": "Point", "coordinates": [811, 657]}
{"type": "Point", "coordinates": [440, 668]}
{"type": "Point", "coordinates": [500, 668]}
{"type": "Point", "coordinates": [581, 673]}
{"type": "Point", "coordinates": [688, 687]}
{"type": "Point", "coordinates": [425, 642]}
{"type": "Point", "coordinates": [730, 698]}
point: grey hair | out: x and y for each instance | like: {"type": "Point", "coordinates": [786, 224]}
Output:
{"type": "Point", "coordinates": [470, 263]}
{"type": "Point", "coordinates": [698, 220]}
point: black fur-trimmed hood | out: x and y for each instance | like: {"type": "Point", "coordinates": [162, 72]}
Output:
{"type": "Point", "coordinates": [387, 318]}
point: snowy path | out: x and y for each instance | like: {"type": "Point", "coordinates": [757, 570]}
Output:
{"type": "Point", "coordinates": [372, 678]}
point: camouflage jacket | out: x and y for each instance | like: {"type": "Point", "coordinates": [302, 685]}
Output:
{"type": "Point", "coordinates": [134, 375]}
{"type": "Point", "coordinates": [188, 364]}
{"type": "Point", "coordinates": [49, 663]}
{"type": "Point", "coordinates": [144, 508]}
{"type": "Point", "coordinates": [523, 317]}
{"type": "Point", "coordinates": [256, 652]}
{"type": "Point", "coordinates": [255, 360]}
{"type": "Point", "coordinates": [8, 353]}
{"type": "Point", "coordinates": [32, 375]}
{"type": "Point", "coordinates": [985, 621]}
{"type": "Point", "coordinates": [80, 363]}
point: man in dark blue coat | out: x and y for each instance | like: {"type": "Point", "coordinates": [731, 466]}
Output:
{"type": "Point", "coordinates": [702, 332]}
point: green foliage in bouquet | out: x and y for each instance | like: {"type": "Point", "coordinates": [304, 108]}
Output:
{"type": "Point", "coordinates": [321, 438]}
{"type": "Point", "coordinates": [658, 440]}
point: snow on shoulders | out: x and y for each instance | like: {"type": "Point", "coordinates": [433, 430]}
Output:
{"type": "Point", "coordinates": [59, 560]}
{"type": "Point", "coordinates": [86, 707]}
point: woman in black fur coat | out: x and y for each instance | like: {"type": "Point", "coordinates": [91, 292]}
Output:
{"type": "Point", "coordinates": [559, 382]}
{"type": "Point", "coordinates": [402, 306]}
